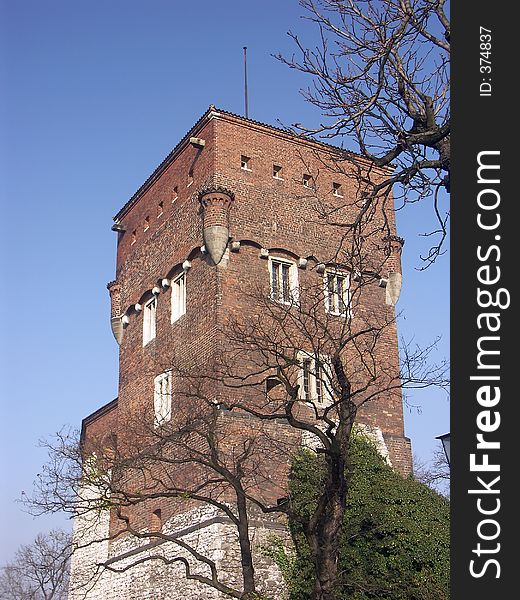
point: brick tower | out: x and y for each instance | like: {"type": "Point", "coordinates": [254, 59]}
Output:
{"type": "Point", "coordinates": [236, 207]}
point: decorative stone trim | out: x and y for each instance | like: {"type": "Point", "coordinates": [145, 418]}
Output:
{"type": "Point", "coordinates": [393, 289]}
{"type": "Point", "coordinates": [214, 190]}
{"type": "Point", "coordinates": [394, 238]}
{"type": "Point", "coordinates": [197, 142]}
{"type": "Point", "coordinates": [215, 202]}
{"type": "Point", "coordinates": [114, 289]}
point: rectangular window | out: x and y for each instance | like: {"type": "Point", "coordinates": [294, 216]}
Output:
{"type": "Point", "coordinates": [337, 296]}
{"type": "Point", "coordinates": [245, 163]}
{"type": "Point", "coordinates": [284, 281]}
{"type": "Point", "coordinates": [178, 297]}
{"type": "Point", "coordinates": [307, 180]}
{"type": "Point", "coordinates": [149, 315]}
{"type": "Point", "coordinates": [337, 190]}
{"type": "Point", "coordinates": [162, 398]}
{"type": "Point", "coordinates": [319, 374]}
{"type": "Point", "coordinates": [307, 370]}
{"type": "Point", "coordinates": [315, 379]}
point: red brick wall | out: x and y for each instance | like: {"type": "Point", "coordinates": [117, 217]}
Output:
{"type": "Point", "coordinates": [171, 236]}
{"type": "Point", "coordinates": [98, 429]}
{"type": "Point", "coordinates": [280, 215]}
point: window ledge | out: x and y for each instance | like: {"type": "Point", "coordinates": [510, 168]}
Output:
{"type": "Point", "coordinates": [336, 314]}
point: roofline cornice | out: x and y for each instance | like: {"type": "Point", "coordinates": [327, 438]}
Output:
{"type": "Point", "coordinates": [215, 113]}
{"type": "Point", "coordinates": [165, 163]}
{"type": "Point", "coordinates": [106, 408]}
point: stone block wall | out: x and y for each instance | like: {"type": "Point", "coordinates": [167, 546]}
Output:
{"type": "Point", "coordinates": [149, 577]}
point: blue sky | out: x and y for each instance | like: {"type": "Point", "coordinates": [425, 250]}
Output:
{"type": "Point", "coordinates": [95, 94]}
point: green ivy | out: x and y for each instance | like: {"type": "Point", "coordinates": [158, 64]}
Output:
{"type": "Point", "coordinates": [395, 541]}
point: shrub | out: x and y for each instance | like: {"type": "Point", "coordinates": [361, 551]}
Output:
{"type": "Point", "coordinates": [395, 539]}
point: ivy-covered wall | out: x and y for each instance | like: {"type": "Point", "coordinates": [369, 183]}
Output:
{"type": "Point", "coordinates": [395, 543]}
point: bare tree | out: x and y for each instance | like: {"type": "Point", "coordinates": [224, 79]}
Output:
{"type": "Point", "coordinates": [380, 77]}
{"type": "Point", "coordinates": [40, 570]}
{"type": "Point", "coordinates": [297, 373]}
{"type": "Point", "coordinates": [290, 373]}
{"type": "Point", "coordinates": [329, 371]}
{"type": "Point", "coordinates": [434, 473]}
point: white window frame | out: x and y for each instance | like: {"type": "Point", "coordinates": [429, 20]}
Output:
{"type": "Point", "coordinates": [149, 320]}
{"type": "Point", "coordinates": [315, 387]}
{"type": "Point", "coordinates": [283, 292]}
{"type": "Point", "coordinates": [337, 300]}
{"type": "Point", "coordinates": [162, 398]}
{"type": "Point", "coordinates": [178, 299]}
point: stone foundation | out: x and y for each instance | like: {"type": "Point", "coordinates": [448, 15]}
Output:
{"type": "Point", "coordinates": [205, 529]}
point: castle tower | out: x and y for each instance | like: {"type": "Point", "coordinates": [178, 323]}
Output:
{"type": "Point", "coordinates": [236, 207]}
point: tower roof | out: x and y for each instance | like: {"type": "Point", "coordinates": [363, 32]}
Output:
{"type": "Point", "coordinates": [211, 113]}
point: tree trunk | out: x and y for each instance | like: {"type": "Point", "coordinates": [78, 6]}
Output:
{"type": "Point", "coordinates": [327, 522]}
{"type": "Point", "coordinates": [246, 554]}
{"type": "Point", "coordinates": [325, 539]}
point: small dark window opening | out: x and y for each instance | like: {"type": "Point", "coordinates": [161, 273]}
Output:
{"type": "Point", "coordinates": [337, 189]}
{"type": "Point", "coordinates": [271, 383]}
{"type": "Point", "coordinates": [277, 172]}
{"type": "Point", "coordinates": [157, 520]}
